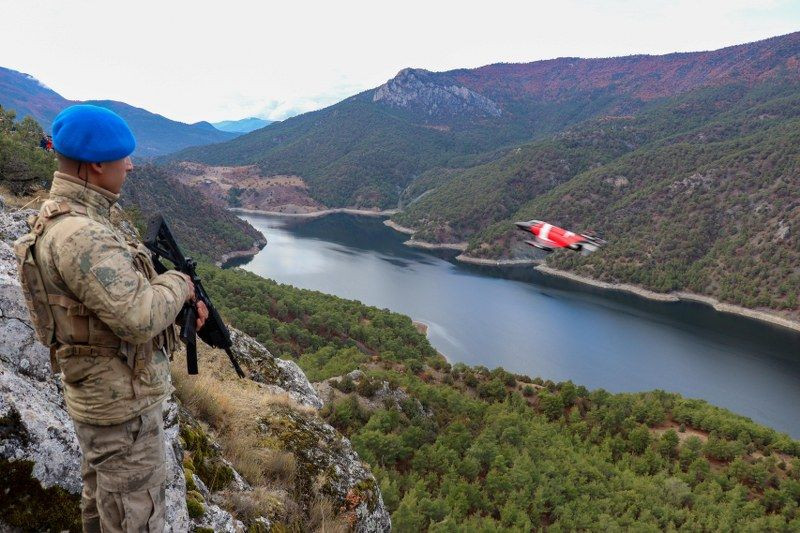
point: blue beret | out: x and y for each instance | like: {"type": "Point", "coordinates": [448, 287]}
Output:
{"type": "Point", "coordinates": [92, 134]}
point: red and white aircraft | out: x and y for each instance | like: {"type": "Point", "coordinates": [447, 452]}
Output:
{"type": "Point", "coordinates": [548, 237]}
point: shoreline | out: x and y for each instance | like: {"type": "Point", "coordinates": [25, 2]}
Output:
{"type": "Point", "coordinates": [317, 214]}
{"type": "Point", "coordinates": [458, 246]}
{"type": "Point", "coordinates": [496, 262]}
{"type": "Point", "coordinates": [257, 247]}
{"type": "Point", "coordinates": [678, 296]}
{"type": "Point", "coordinates": [397, 227]}
{"type": "Point", "coordinates": [412, 242]}
{"type": "Point", "coordinates": [423, 328]}
{"type": "Point", "coordinates": [721, 307]}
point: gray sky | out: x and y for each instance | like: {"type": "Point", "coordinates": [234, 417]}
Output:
{"type": "Point", "coordinates": [219, 60]}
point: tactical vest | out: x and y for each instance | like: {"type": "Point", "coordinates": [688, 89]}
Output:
{"type": "Point", "coordinates": [77, 338]}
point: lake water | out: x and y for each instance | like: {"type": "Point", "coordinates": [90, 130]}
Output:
{"type": "Point", "coordinates": [539, 325]}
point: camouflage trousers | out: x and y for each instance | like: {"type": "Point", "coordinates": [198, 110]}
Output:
{"type": "Point", "coordinates": [124, 474]}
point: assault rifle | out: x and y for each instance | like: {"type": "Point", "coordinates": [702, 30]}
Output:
{"type": "Point", "coordinates": [161, 243]}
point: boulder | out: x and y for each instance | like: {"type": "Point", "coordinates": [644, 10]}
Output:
{"type": "Point", "coordinates": [278, 374]}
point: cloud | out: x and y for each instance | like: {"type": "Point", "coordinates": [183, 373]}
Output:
{"type": "Point", "coordinates": [194, 61]}
{"type": "Point", "coordinates": [282, 110]}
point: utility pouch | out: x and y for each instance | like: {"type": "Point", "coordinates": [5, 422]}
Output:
{"type": "Point", "coordinates": [33, 287]}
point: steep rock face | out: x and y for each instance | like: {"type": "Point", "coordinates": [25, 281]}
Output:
{"type": "Point", "coordinates": [35, 425]}
{"type": "Point", "coordinates": [328, 465]}
{"type": "Point", "coordinates": [434, 95]}
{"type": "Point", "coordinates": [326, 461]}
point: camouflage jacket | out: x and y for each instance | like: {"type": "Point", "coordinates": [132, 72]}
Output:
{"type": "Point", "coordinates": [113, 315]}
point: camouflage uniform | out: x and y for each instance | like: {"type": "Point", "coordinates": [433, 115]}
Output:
{"type": "Point", "coordinates": [114, 329]}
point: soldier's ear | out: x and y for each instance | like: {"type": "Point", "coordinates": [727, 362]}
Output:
{"type": "Point", "coordinates": [97, 168]}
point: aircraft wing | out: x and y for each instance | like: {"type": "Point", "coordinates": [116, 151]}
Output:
{"type": "Point", "coordinates": [547, 246]}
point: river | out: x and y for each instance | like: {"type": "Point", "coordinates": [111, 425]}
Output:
{"type": "Point", "coordinates": [540, 325]}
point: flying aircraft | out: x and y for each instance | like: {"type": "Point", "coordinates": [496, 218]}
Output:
{"type": "Point", "coordinates": [548, 237]}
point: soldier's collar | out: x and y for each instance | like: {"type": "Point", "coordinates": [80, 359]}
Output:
{"type": "Point", "coordinates": [81, 191]}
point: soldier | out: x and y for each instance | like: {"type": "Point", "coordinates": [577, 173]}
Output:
{"type": "Point", "coordinates": [108, 318]}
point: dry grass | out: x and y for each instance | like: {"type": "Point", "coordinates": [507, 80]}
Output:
{"type": "Point", "coordinates": [233, 407]}
{"type": "Point", "coordinates": [32, 200]}
{"type": "Point", "coordinates": [260, 501]}
{"type": "Point", "coordinates": [258, 464]}
{"type": "Point", "coordinates": [324, 519]}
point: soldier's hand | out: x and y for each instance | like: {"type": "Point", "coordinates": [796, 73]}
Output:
{"type": "Point", "coordinates": [202, 314]}
{"type": "Point", "coordinates": [191, 297]}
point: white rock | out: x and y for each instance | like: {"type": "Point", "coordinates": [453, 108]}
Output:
{"type": "Point", "coordinates": [273, 372]}
{"type": "Point", "coordinates": [219, 520]}
{"type": "Point", "coordinates": [201, 487]}
{"type": "Point", "coordinates": [177, 518]}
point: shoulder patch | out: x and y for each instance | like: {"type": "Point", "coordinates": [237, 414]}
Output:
{"type": "Point", "coordinates": [116, 274]}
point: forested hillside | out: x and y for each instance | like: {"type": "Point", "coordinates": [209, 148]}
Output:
{"type": "Point", "coordinates": [713, 210]}
{"type": "Point", "coordinates": [24, 167]}
{"type": "Point", "coordinates": [353, 154]}
{"type": "Point", "coordinates": [211, 232]}
{"type": "Point", "coordinates": [467, 201]}
{"type": "Point", "coordinates": [461, 448]}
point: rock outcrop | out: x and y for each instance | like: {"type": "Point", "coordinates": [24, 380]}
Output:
{"type": "Point", "coordinates": [324, 464]}
{"type": "Point", "coordinates": [381, 394]}
{"type": "Point", "coordinates": [37, 442]}
{"type": "Point", "coordinates": [40, 458]}
{"type": "Point", "coordinates": [278, 375]}
{"type": "Point", "coordinates": [434, 95]}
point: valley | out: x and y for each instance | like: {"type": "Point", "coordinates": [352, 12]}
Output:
{"type": "Point", "coordinates": [689, 178]}
{"type": "Point", "coordinates": [411, 362]}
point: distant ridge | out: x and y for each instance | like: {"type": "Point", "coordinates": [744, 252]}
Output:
{"type": "Point", "coordinates": [155, 135]}
{"type": "Point", "coordinates": [245, 125]}
{"type": "Point", "coordinates": [368, 148]}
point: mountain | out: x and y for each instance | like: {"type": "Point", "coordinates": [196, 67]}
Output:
{"type": "Point", "coordinates": [697, 194]}
{"type": "Point", "coordinates": [155, 135]}
{"type": "Point", "coordinates": [245, 125]}
{"type": "Point", "coordinates": [365, 150]}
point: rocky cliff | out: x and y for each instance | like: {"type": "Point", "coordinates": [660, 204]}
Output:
{"type": "Point", "coordinates": [40, 458]}
{"type": "Point", "coordinates": [434, 95]}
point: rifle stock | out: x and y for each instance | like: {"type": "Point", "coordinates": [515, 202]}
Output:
{"type": "Point", "coordinates": [162, 244]}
